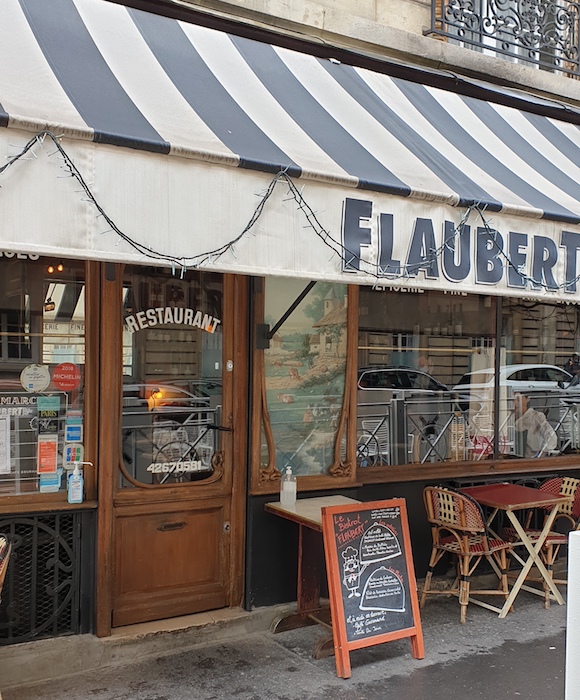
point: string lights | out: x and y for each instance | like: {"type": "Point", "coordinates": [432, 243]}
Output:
{"type": "Point", "coordinates": [294, 194]}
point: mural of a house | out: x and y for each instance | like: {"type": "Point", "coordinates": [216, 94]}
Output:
{"type": "Point", "coordinates": [331, 342]}
{"type": "Point", "coordinates": [314, 343]}
{"type": "Point", "coordinates": [276, 343]}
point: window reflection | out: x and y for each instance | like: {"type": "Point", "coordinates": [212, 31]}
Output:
{"type": "Point", "coordinates": [542, 393]}
{"type": "Point", "coordinates": [428, 390]}
{"type": "Point", "coordinates": [419, 356]}
{"type": "Point", "coordinates": [42, 364]}
{"type": "Point", "coordinates": [172, 367]}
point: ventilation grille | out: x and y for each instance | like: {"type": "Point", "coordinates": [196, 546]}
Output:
{"type": "Point", "coordinates": [40, 597]}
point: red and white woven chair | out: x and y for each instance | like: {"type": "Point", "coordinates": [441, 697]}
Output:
{"type": "Point", "coordinates": [458, 528]}
{"type": "Point", "coordinates": [568, 514]}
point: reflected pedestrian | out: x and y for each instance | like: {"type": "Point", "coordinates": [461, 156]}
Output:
{"type": "Point", "coordinates": [573, 364]}
{"type": "Point", "coordinates": [424, 364]}
{"type": "Point", "coordinates": [540, 436]}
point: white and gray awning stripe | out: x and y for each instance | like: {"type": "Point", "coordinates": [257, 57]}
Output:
{"type": "Point", "coordinates": [120, 76]}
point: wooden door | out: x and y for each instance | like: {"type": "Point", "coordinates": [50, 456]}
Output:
{"type": "Point", "coordinates": [177, 504]}
{"type": "Point", "coordinates": [171, 559]}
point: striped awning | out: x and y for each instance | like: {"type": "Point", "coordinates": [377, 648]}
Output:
{"type": "Point", "coordinates": [99, 71]}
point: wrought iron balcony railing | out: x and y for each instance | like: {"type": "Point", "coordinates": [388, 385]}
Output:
{"type": "Point", "coordinates": [541, 33]}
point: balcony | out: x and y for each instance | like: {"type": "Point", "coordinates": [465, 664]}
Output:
{"type": "Point", "coordinates": [539, 33]}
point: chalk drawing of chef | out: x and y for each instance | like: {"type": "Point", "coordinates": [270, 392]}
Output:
{"type": "Point", "coordinates": [351, 571]}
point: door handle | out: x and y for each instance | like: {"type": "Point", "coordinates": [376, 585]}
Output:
{"type": "Point", "coordinates": [167, 527]}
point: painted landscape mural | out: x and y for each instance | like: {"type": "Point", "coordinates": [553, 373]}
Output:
{"type": "Point", "coordinates": [305, 372]}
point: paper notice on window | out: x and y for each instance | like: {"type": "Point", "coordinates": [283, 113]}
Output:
{"type": "Point", "coordinates": [47, 454]}
{"type": "Point", "coordinates": [4, 445]}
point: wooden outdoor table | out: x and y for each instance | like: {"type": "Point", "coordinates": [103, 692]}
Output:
{"type": "Point", "coordinates": [307, 513]}
{"type": "Point", "coordinates": [511, 498]}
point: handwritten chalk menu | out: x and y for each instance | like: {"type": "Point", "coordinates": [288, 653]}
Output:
{"type": "Point", "coordinates": [371, 579]}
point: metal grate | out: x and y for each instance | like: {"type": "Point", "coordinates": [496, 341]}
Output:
{"type": "Point", "coordinates": [41, 592]}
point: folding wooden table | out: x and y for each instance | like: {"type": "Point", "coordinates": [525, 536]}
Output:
{"type": "Point", "coordinates": [307, 513]}
{"type": "Point", "coordinates": [511, 498]}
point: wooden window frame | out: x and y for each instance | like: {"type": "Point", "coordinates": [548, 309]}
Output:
{"type": "Point", "coordinates": [50, 502]}
{"type": "Point", "coordinates": [265, 478]}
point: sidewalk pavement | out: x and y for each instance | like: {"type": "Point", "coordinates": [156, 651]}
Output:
{"type": "Point", "coordinates": [521, 657]}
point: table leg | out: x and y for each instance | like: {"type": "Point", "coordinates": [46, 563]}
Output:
{"type": "Point", "coordinates": [534, 558]}
{"type": "Point", "coordinates": [310, 561]}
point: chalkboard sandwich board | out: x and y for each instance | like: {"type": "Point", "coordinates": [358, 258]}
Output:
{"type": "Point", "coordinates": [371, 578]}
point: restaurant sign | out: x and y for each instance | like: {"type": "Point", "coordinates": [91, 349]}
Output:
{"type": "Point", "coordinates": [162, 316]}
{"type": "Point", "coordinates": [376, 243]}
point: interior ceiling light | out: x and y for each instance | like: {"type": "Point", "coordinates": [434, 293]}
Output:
{"type": "Point", "coordinates": [52, 268]}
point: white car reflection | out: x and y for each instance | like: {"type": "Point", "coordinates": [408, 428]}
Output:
{"type": "Point", "coordinates": [520, 378]}
{"type": "Point", "coordinates": [552, 397]}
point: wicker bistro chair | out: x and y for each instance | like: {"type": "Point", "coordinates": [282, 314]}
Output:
{"type": "Point", "coordinates": [568, 514]}
{"type": "Point", "coordinates": [458, 528]}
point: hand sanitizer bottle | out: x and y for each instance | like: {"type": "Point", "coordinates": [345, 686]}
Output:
{"type": "Point", "coordinates": [288, 488]}
{"type": "Point", "coordinates": [75, 486]}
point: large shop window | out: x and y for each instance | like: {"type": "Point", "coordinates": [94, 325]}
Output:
{"type": "Point", "coordinates": [539, 380]}
{"type": "Point", "coordinates": [42, 364]}
{"type": "Point", "coordinates": [303, 378]}
{"type": "Point", "coordinates": [172, 377]}
{"type": "Point", "coordinates": [427, 386]}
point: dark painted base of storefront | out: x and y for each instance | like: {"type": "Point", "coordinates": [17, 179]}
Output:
{"type": "Point", "coordinates": [273, 542]}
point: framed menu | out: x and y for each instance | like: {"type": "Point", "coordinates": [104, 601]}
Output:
{"type": "Point", "coordinates": [371, 578]}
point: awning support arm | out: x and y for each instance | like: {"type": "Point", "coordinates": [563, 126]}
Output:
{"type": "Point", "coordinates": [263, 332]}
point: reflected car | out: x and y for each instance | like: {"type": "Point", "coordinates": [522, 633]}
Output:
{"type": "Point", "coordinates": [208, 389]}
{"type": "Point", "coordinates": [168, 433]}
{"type": "Point", "coordinates": [10, 385]}
{"type": "Point", "coordinates": [398, 379]}
{"type": "Point", "coordinates": [428, 406]}
{"type": "Point", "coordinates": [520, 378]}
{"type": "Point", "coordinates": [424, 395]}
{"type": "Point", "coordinates": [161, 398]}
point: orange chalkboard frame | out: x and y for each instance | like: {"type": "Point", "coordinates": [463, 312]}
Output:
{"type": "Point", "coordinates": [390, 516]}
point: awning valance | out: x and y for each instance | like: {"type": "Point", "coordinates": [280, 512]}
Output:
{"type": "Point", "coordinates": [102, 72]}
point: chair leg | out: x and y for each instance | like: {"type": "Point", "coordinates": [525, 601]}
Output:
{"type": "Point", "coordinates": [504, 566]}
{"type": "Point", "coordinates": [426, 587]}
{"type": "Point", "coordinates": [463, 600]}
{"type": "Point", "coordinates": [433, 559]}
{"type": "Point", "coordinates": [549, 555]}
{"type": "Point", "coordinates": [464, 582]}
